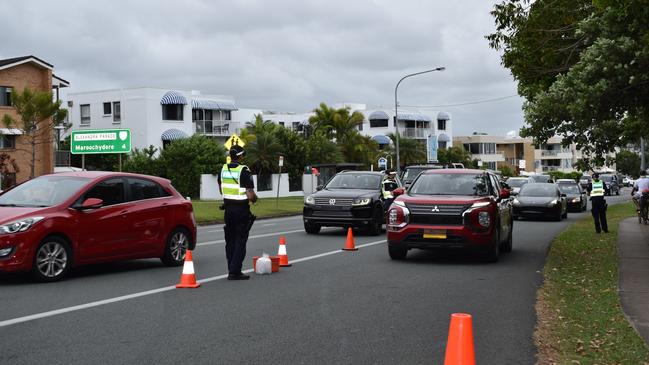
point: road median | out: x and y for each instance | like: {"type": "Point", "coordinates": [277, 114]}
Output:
{"type": "Point", "coordinates": [580, 320]}
{"type": "Point", "coordinates": [208, 212]}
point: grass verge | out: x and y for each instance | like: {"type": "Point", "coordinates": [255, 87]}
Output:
{"type": "Point", "coordinates": [207, 211]}
{"type": "Point", "coordinates": [580, 320]}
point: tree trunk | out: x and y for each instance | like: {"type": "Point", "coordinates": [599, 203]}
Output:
{"type": "Point", "coordinates": [33, 162]}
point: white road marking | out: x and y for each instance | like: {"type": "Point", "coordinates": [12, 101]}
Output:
{"type": "Point", "coordinates": [268, 224]}
{"type": "Point", "coordinates": [122, 298]}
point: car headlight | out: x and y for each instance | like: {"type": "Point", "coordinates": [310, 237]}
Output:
{"type": "Point", "coordinates": [20, 225]}
{"type": "Point", "coordinates": [5, 251]}
{"type": "Point", "coordinates": [361, 201]}
{"type": "Point", "coordinates": [554, 202]}
{"type": "Point", "coordinates": [309, 200]}
{"type": "Point", "coordinates": [484, 219]}
{"type": "Point", "coordinates": [575, 200]}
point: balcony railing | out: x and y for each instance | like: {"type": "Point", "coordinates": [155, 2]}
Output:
{"type": "Point", "coordinates": [554, 152]}
{"type": "Point", "coordinates": [61, 158]}
{"type": "Point", "coordinates": [214, 127]}
{"type": "Point", "coordinates": [416, 132]}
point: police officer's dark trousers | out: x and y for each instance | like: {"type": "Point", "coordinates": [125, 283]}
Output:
{"type": "Point", "coordinates": [599, 213]}
{"type": "Point", "coordinates": [236, 235]}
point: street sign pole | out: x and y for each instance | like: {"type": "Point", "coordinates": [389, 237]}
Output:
{"type": "Point", "coordinates": [279, 179]}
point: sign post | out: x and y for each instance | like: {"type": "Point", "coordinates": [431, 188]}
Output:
{"type": "Point", "coordinates": [83, 142]}
{"type": "Point", "coordinates": [383, 163]}
{"type": "Point", "coordinates": [279, 179]}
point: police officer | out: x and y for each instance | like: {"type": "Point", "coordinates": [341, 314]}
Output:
{"type": "Point", "coordinates": [389, 184]}
{"type": "Point", "coordinates": [596, 192]}
{"type": "Point", "coordinates": [237, 187]}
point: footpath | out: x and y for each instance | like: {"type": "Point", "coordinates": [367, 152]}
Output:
{"type": "Point", "coordinates": [633, 256]}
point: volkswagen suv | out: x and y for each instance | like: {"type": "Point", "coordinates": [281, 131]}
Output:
{"type": "Point", "coordinates": [451, 208]}
{"type": "Point", "coordinates": [350, 199]}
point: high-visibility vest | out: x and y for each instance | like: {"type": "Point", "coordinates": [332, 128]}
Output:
{"type": "Point", "coordinates": [230, 183]}
{"type": "Point", "coordinates": [598, 188]}
{"type": "Point", "coordinates": [387, 194]}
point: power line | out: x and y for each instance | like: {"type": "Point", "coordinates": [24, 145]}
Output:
{"type": "Point", "coordinates": [460, 104]}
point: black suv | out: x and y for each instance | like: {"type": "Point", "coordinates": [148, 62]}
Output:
{"type": "Point", "coordinates": [611, 184]}
{"type": "Point", "coordinates": [411, 172]}
{"type": "Point", "coordinates": [350, 199]}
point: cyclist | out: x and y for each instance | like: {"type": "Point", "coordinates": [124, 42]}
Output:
{"type": "Point", "coordinates": [641, 186]}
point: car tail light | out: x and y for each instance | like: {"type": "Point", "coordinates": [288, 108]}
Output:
{"type": "Point", "coordinates": [398, 217]}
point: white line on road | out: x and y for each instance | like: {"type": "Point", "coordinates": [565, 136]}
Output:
{"type": "Point", "coordinates": [268, 224]}
{"type": "Point", "coordinates": [122, 298]}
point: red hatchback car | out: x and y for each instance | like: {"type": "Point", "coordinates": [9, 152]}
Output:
{"type": "Point", "coordinates": [54, 222]}
{"type": "Point", "coordinates": [451, 208]}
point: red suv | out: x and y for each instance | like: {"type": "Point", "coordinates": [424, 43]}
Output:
{"type": "Point", "coordinates": [451, 208]}
{"type": "Point", "coordinates": [53, 222]}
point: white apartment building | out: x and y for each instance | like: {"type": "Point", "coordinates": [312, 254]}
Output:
{"type": "Point", "coordinates": [158, 116]}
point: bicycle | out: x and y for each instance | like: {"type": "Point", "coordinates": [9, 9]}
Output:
{"type": "Point", "coordinates": [643, 212]}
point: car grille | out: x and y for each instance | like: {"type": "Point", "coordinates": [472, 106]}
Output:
{"type": "Point", "coordinates": [331, 213]}
{"type": "Point", "coordinates": [338, 202]}
{"type": "Point", "coordinates": [438, 214]}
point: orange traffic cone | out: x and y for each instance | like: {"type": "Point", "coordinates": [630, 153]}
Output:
{"type": "Point", "coordinates": [281, 252]}
{"type": "Point", "coordinates": [349, 246]}
{"type": "Point", "coordinates": [188, 277]}
{"type": "Point", "coordinates": [459, 348]}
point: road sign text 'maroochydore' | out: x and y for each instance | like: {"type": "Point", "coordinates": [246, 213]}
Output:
{"type": "Point", "coordinates": [101, 141]}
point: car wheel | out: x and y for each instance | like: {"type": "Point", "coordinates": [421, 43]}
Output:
{"type": "Point", "coordinates": [52, 260]}
{"type": "Point", "coordinates": [397, 253]}
{"type": "Point", "coordinates": [508, 245]}
{"type": "Point", "coordinates": [311, 228]}
{"type": "Point", "coordinates": [494, 251]}
{"type": "Point", "coordinates": [376, 225]}
{"type": "Point", "coordinates": [176, 247]}
{"type": "Point", "coordinates": [559, 216]}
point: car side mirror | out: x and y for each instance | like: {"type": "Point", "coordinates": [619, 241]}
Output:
{"type": "Point", "coordinates": [504, 194]}
{"type": "Point", "coordinates": [91, 203]}
{"type": "Point", "coordinates": [319, 187]}
{"type": "Point", "coordinates": [398, 191]}
{"type": "Point", "coordinates": [550, 181]}
{"type": "Point", "coordinates": [563, 195]}
{"type": "Point", "coordinates": [505, 185]}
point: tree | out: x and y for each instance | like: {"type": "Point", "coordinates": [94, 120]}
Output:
{"type": "Point", "coordinates": [581, 65]}
{"type": "Point", "coordinates": [320, 149]}
{"type": "Point", "coordinates": [337, 124]}
{"type": "Point", "coordinates": [185, 160]}
{"type": "Point", "coordinates": [411, 151]}
{"type": "Point", "coordinates": [506, 171]}
{"type": "Point", "coordinates": [627, 162]}
{"type": "Point", "coordinates": [293, 147]}
{"type": "Point", "coordinates": [144, 161]}
{"type": "Point", "coordinates": [38, 116]}
{"type": "Point", "coordinates": [455, 154]}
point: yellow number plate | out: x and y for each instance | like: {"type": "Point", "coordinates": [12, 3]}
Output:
{"type": "Point", "coordinates": [435, 234]}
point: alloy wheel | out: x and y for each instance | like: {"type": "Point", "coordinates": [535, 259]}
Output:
{"type": "Point", "coordinates": [178, 245]}
{"type": "Point", "coordinates": [51, 259]}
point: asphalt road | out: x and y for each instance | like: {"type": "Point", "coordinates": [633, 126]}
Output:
{"type": "Point", "coordinates": [329, 307]}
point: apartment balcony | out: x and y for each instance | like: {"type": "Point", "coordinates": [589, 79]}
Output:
{"type": "Point", "coordinates": [489, 157]}
{"type": "Point", "coordinates": [416, 133]}
{"type": "Point", "coordinates": [215, 128]}
{"type": "Point", "coordinates": [553, 154]}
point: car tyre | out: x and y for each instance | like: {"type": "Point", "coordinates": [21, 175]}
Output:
{"type": "Point", "coordinates": [397, 253]}
{"type": "Point", "coordinates": [52, 260]}
{"type": "Point", "coordinates": [177, 245]}
{"type": "Point", "coordinates": [311, 228]}
{"type": "Point", "coordinates": [494, 251]}
{"type": "Point", "coordinates": [509, 244]}
{"type": "Point", "coordinates": [376, 225]}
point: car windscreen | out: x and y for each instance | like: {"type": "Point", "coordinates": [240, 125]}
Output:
{"type": "Point", "coordinates": [606, 178]}
{"type": "Point", "coordinates": [540, 178]}
{"type": "Point", "coordinates": [450, 184]}
{"type": "Point", "coordinates": [538, 190]}
{"type": "Point", "coordinates": [569, 189]}
{"type": "Point", "coordinates": [43, 191]}
{"type": "Point", "coordinates": [585, 177]}
{"type": "Point", "coordinates": [411, 173]}
{"type": "Point", "coordinates": [355, 181]}
{"type": "Point", "coordinates": [516, 183]}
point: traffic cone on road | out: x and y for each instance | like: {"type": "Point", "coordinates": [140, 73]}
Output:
{"type": "Point", "coordinates": [459, 348]}
{"type": "Point", "coordinates": [281, 252]}
{"type": "Point", "coordinates": [188, 277]}
{"type": "Point", "coordinates": [349, 245]}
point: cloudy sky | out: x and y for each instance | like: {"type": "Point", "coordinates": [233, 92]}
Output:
{"type": "Point", "coordinates": [277, 55]}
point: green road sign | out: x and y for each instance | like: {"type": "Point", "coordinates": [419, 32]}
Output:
{"type": "Point", "coordinates": [100, 141]}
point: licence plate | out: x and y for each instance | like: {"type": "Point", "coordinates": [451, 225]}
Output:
{"type": "Point", "coordinates": [439, 234]}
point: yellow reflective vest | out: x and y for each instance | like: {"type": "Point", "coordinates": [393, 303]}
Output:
{"type": "Point", "coordinates": [231, 183]}
{"type": "Point", "coordinates": [598, 188]}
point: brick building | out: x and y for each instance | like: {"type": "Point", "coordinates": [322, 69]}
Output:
{"type": "Point", "coordinates": [15, 75]}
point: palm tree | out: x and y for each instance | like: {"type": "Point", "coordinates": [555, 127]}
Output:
{"type": "Point", "coordinates": [259, 126]}
{"type": "Point", "coordinates": [411, 151]}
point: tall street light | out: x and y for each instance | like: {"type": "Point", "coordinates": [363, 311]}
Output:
{"type": "Point", "coordinates": [396, 109]}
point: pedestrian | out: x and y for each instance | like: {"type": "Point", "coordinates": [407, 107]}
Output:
{"type": "Point", "coordinates": [237, 188]}
{"type": "Point", "coordinates": [387, 185]}
{"type": "Point", "coordinates": [598, 203]}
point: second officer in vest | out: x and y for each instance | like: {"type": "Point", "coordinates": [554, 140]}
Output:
{"type": "Point", "coordinates": [598, 203]}
{"type": "Point", "coordinates": [237, 187]}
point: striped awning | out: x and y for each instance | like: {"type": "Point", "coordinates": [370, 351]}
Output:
{"type": "Point", "coordinates": [443, 138]}
{"type": "Point", "coordinates": [173, 97]}
{"type": "Point", "coordinates": [11, 131]}
{"type": "Point", "coordinates": [443, 116]}
{"type": "Point", "coordinates": [381, 139]}
{"type": "Point", "coordinates": [379, 115]}
{"type": "Point", "coordinates": [173, 134]}
{"type": "Point", "coordinates": [415, 116]}
{"type": "Point", "coordinates": [213, 104]}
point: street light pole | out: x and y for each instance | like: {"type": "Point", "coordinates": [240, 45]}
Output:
{"type": "Point", "coordinates": [396, 109]}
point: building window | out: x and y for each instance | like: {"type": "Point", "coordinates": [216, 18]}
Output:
{"type": "Point", "coordinates": [360, 126]}
{"type": "Point", "coordinates": [5, 96]}
{"type": "Point", "coordinates": [117, 112]}
{"type": "Point", "coordinates": [7, 142]}
{"type": "Point", "coordinates": [281, 123]}
{"type": "Point", "coordinates": [441, 125]}
{"type": "Point", "coordinates": [107, 109]}
{"type": "Point", "coordinates": [172, 112]}
{"type": "Point", "coordinates": [441, 144]}
{"type": "Point", "coordinates": [378, 123]}
{"type": "Point", "coordinates": [85, 114]}
{"type": "Point", "coordinates": [208, 115]}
